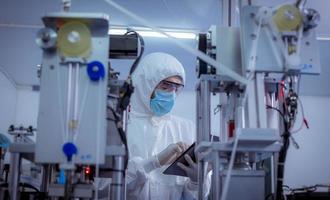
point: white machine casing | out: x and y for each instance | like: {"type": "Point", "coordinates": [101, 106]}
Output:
{"type": "Point", "coordinates": [268, 56]}
{"type": "Point", "coordinates": [90, 139]}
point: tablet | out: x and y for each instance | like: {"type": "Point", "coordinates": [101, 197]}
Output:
{"type": "Point", "coordinates": [174, 169]}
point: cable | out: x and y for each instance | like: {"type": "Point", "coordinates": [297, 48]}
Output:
{"type": "Point", "coordinates": [282, 157]}
{"type": "Point", "coordinates": [307, 189]}
{"type": "Point", "coordinates": [26, 185]}
{"type": "Point", "coordinates": [122, 134]}
{"type": "Point", "coordinates": [137, 60]}
{"type": "Point", "coordinates": [125, 92]}
{"type": "Point", "coordinates": [270, 107]}
{"type": "Point", "coordinates": [303, 120]}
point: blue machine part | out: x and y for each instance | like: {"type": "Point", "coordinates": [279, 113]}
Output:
{"type": "Point", "coordinates": [62, 178]}
{"type": "Point", "coordinates": [69, 150]}
{"type": "Point", "coordinates": [95, 70]}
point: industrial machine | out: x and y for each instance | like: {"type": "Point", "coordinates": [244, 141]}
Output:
{"type": "Point", "coordinates": [81, 149]}
{"type": "Point", "coordinates": [81, 146]}
{"type": "Point", "coordinates": [271, 48]}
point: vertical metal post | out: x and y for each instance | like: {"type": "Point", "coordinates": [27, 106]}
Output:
{"type": "Point", "coordinates": [14, 171]}
{"type": "Point", "coordinates": [203, 125]}
{"type": "Point", "coordinates": [199, 134]}
{"type": "Point", "coordinates": [225, 13]}
{"type": "Point", "coordinates": [216, 188]}
{"type": "Point", "coordinates": [273, 174]}
{"type": "Point", "coordinates": [206, 107]}
{"type": "Point", "coordinates": [223, 119]}
{"type": "Point", "coordinates": [240, 114]}
{"type": "Point", "coordinates": [46, 177]}
{"type": "Point", "coordinates": [228, 8]}
{"type": "Point", "coordinates": [260, 101]}
{"type": "Point", "coordinates": [117, 183]}
{"type": "Point", "coordinates": [251, 103]}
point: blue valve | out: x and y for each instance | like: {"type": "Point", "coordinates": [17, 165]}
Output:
{"type": "Point", "coordinates": [95, 70]}
{"type": "Point", "coordinates": [69, 150]}
{"type": "Point", "coordinates": [62, 178]}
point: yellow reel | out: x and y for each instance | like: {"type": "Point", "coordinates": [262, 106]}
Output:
{"type": "Point", "coordinates": [74, 40]}
{"type": "Point", "coordinates": [287, 18]}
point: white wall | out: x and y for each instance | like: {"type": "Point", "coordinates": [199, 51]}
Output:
{"type": "Point", "coordinates": [7, 103]}
{"type": "Point", "coordinates": [310, 164]}
{"type": "Point", "coordinates": [27, 105]}
{"type": "Point", "coordinates": [18, 106]}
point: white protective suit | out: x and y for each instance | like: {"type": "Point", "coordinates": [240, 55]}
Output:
{"type": "Point", "coordinates": [148, 135]}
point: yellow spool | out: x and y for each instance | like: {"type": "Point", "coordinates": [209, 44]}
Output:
{"type": "Point", "coordinates": [287, 18]}
{"type": "Point", "coordinates": [74, 40]}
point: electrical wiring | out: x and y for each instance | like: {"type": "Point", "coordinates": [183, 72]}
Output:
{"type": "Point", "coordinates": [125, 93]}
{"type": "Point", "coordinates": [282, 155]}
{"type": "Point", "coordinates": [280, 112]}
{"type": "Point", "coordinates": [303, 120]}
{"type": "Point", "coordinates": [137, 60]}
{"type": "Point", "coordinates": [308, 189]}
{"type": "Point", "coordinates": [121, 132]}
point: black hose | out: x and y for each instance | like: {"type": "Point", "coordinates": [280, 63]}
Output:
{"type": "Point", "coordinates": [137, 60]}
{"type": "Point", "coordinates": [282, 158]}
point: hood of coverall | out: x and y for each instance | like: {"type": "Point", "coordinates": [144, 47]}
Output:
{"type": "Point", "coordinates": [152, 69]}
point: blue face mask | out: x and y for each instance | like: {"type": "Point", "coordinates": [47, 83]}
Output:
{"type": "Point", "coordinates": [162, 103]}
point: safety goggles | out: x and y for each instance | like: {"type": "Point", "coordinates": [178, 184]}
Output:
{"type": "Point", "coordinates": [170, 86]}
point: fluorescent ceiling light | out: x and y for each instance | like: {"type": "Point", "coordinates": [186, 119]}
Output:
{"type": "Point", "coordinates": [149, 33]}
{"type": "Point", "coordinates": [117, 31]}
{"type": "Point", "coordinates": [323, 38]}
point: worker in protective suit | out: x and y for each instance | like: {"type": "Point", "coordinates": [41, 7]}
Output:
{"type": "Point", "coordinates": [155, 137]}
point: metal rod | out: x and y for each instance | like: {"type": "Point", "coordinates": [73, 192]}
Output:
{"type": "Point", "coordinates": [76, 93]}
{"type": "Point", "coordinates": [68, 102]}
{"type": "Point", "coordinates": [216, 171]}
{"type": "Point", "coordinates": [117, 184]}
{"type": "Point", "coordinates": [203, 126]}
{"type": "Point", "coordinates": [46, 177]}
{"type": "Point", "coordinates": [199, 134]}
{"type": "Point", "coordinates": [272, 173]}
{"type": "Point", "coordinates": [205, 112]}
{"type": "Point", "coordinates": [229, 13]}
{"type": "Point", "coordinates": [14, 171]}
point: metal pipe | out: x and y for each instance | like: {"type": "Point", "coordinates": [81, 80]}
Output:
{"type": "Point", "coordinates": [68, 103]}
{"type": "Point", "coordinates": [199, 134]}
{"type": "Point", "coordinates": [203, 126]}
{"type": "Point", "coordinates": [14, 171]}
{"type": "Point", "coordinates": [205, 109]}
{"type": "Point", "coordinates": [68, 187]}
{"type": "Point", "coordinates": [216, 177]}
{"type": "Point", "coordinates": [117, 183]}
{"type": "Point", "coordinates": [46, 177]}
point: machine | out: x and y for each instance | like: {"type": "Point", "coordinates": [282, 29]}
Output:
{"type": "Point", "coordinates": [81, 149]}
{"type": "Point", "coordinates": [271, 47]}
{"type": "Point", "coordinates": [80, 146]}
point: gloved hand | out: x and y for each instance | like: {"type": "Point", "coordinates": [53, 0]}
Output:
{"type": "Point", "coordinates": [171, 152]}
{"type": "Point", "coordinates": [190, 170]}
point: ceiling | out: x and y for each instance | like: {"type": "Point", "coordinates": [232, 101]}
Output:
{"type": "Point", "coordinates": [19, 55]}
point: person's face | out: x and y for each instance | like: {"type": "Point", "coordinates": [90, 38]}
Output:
{"type": "Point", "coordinates": [170, 84]}
{"type": "Point", "coordinates": [173, 83]}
